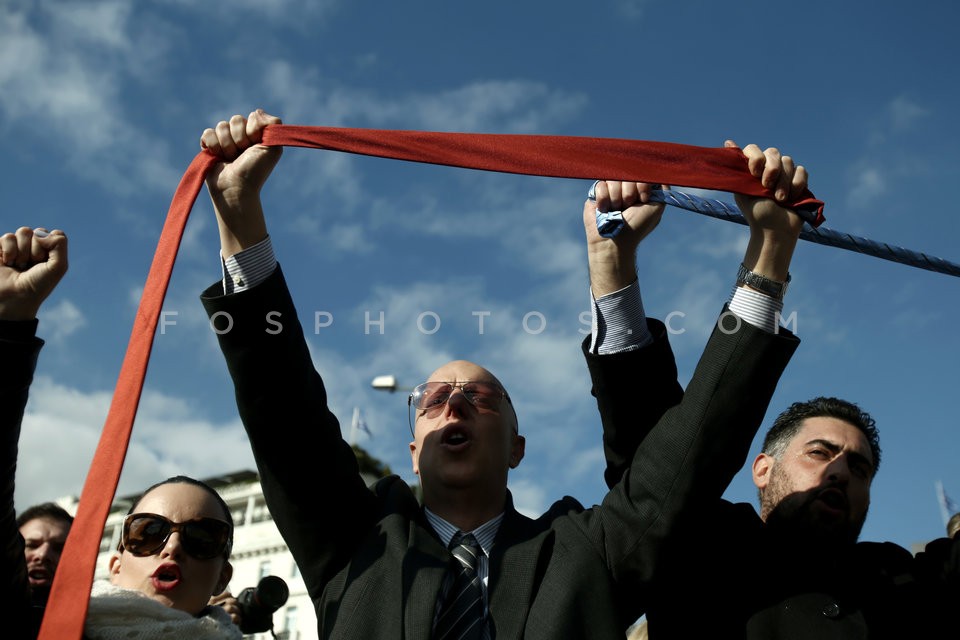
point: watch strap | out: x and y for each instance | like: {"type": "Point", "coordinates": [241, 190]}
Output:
{"type": "Point", "coordinates": [773, 288]}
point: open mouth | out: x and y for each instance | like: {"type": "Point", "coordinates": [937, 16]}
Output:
{"type": "Point", "coordinates": [38, 576]}
{"type": "Point", "coordinates": [454, 436]}
{"type": "Point", "coordinates": [166, 577]}
{"type": "Point", "coordinates": [834, 499]}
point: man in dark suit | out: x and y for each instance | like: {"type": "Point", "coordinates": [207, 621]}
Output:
{"type": "Point", "coordinates": [795, 569]}
{"type": "Point", "coordinates": [374, 560]}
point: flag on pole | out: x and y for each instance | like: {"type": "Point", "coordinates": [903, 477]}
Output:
{"type": "Point", "coordinates": [358, 424]}
{"type": "Point", "coordinates": [362, 425]}
{"type": "Point", "coordinates": [948, 507]}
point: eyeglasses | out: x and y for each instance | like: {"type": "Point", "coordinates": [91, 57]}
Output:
{"type": "Point", "coordinates": [145, 534]}
{"type": "Point", "coordinates": [430, 397]}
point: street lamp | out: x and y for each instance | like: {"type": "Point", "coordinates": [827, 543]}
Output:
{"type": "Point", "coordinates": [388, 383]}
{"type": "Point", "coordinates": [385, 383]}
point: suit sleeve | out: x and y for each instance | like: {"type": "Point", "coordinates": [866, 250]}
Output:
{"type": "Point", "coordinates": [309, 474]}
{"type": "Point", "coordinates": [18, 352]}
{"type": "Point", "coordinates": [650, 372]}
{"type": "Point", "coordinates": [687, 460]}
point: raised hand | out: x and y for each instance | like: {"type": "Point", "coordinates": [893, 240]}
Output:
{"type": "Point", "coordinates": [613, 260]}
{"type": "Point", "coordinates": [32, 262]}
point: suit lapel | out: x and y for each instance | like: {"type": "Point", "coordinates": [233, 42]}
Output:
{"type": "Point", "coordinates": [513, 572]}
{"type": "Point", "coordinates": [424, 567]}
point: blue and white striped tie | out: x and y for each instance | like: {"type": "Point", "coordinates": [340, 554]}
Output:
{"type": "Point", "coordinates": [461, 615]}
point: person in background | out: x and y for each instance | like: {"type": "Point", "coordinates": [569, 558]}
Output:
{"type": "Point", "coordinates": [44, 528]}
{"type": "Point", "coordinates": [953, 525]}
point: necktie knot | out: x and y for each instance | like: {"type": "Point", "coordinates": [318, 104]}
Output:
{"type": "Point", "coordinates": [465, 548]}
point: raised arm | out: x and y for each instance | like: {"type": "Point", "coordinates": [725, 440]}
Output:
{"type": "Point", "coordinates": [634, 387]}
{"type": "Point", "coordinates": [688, 459]}
{"type": "Point", "coordinates": [306, 468]}
{"type": "Point", "coordinates": [32, 262]}
{"type": "Point", "coordinates": [621, 333]}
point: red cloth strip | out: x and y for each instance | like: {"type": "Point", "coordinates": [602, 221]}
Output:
{"type": "Point", "coordinates": [70, 593]}
{"type": "Point", "coordinates": [555, 156]}
{"type": "Point", "coordinates": [678, 165]}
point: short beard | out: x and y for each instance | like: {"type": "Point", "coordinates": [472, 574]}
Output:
{"type": "Point", "coordinates": [790, 514]}
{"type": "Point", "coordinates": [39, 595]}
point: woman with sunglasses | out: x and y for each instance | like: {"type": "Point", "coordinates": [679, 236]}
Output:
{"type": "Point", "coordinates": [176, 541]}
{"type": "Point", "coordinates": [174, 549]}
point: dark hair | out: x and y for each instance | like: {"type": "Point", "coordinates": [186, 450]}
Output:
{"type": "Point", "coordinates": [788, 424]}
{"type": "Point", "coordinates": [953, 525]}
{"type": "Point", "coordinates": [45, 510]}
{"type": "Point", "coordinates": [196, 483]}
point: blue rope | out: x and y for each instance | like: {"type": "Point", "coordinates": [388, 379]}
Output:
{"type": "Point", "coordinates": [610, 223]}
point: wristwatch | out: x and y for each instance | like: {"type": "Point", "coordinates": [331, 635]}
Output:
{"type": "Point", "coordinates": [772, 288]}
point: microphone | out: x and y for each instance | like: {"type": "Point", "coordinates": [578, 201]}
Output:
{"type": "Point", "coordinates": [257, 604]}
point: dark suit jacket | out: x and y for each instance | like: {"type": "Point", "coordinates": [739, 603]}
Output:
{"type": "Point", "coordinates": [19, 349]}
{"type": "Point", "coordinates": [724, 575]}
{"type": "Point", "coordinates": [744, 582]}
{"type": "Point", "coordinates": [371, 562]}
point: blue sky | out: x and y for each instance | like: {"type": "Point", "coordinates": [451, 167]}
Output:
{"type": "Point", "coordinates": [101, 109]}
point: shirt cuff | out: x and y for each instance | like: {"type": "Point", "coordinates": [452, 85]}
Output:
{"type": "Point", "coordinates": [756, 308]}
{"type": "Point", "coordinates": [248, 268]}
{"type": "Point", "coordinates": [619, 322]}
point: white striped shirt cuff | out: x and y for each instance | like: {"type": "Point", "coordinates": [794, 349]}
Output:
{"type": "Point", "coordinates": [619, 322]}
{"type": "Point", "coordinates": [758, 309]}
{"type": "Point", "coordinates": [248, 268]}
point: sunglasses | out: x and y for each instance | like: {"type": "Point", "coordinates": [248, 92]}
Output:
{"type": "Point", "coordinates": [430, 397]}
{"type": "Point", "coordinates": [145, 534]}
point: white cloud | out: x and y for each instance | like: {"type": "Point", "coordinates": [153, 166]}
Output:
{"type": "Point", "coordinates": [59, 434]}
{"type": "Point", "coordinates": [869, 185]}
{"type": "Point", "coordinates": [530, 498]}
{"type": "Point", "coordinates": [99, 24]}
{"type": "Point", "coordinates": [633, 9]}
{"type": "Point", "coordinates": [588, 462]}
{"type": "Point", "coordinates": [502, 106]}
{"type": "Point", "coordinates": [904, 113]}
{"type": "Point", "coordinates": [168, 438]}
{"type": "Point", "coordinates": [291, 13]}
{"type": "Point", "coordinates": [885, 159]}
{"type": "Point", "coordinates": [62, 320]}
{"type": "Point", "coordinates": [70, 78]}
{"type": "Point", "coordinates": [726, 242]}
